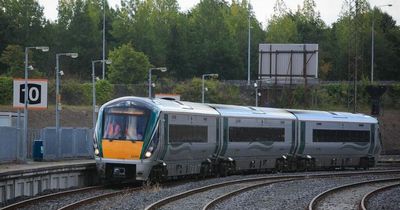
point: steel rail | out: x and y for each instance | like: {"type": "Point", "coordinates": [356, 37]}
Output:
{"type": "Point", "coordinates": [226, 196]}
{"type": "Point", "coordinates": [315, 201]}
{"type": "Point", "coordinates": [97, 197]}
{"type": "Point", "coordinates": [34, 200]}
{"type": "Point", "coordinates": [365, 199]}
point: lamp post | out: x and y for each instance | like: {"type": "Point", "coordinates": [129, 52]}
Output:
{"type": "Point", "coordinates": [58, 98]}
{"type": "Point", "coordinates": [372, 39]}
{"type": "Point", "coordinates": [162, 69]}
{"type": "Point", "coordinates": [248, 50]}
{"type": "Point", "coordinates": [202, 84]}
{"type": "Point", "coordinates": [104, 39]}
{"type": "Point", "coordinates": [94, 88]}
{"type": "Point", "coordinates": [25, 138]}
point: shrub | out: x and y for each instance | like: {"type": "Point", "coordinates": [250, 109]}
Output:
{"type": "Point", "coordinates": [6, 90]}
{"type": "Point", "coordinates": [104, 91]}
{"type": "Point", "coordinates": [72, 93]}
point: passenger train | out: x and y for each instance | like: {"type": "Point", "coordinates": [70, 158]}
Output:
{"type": "Point", "coordinates": [155, 139]}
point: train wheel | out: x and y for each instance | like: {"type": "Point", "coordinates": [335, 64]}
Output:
{"type": "Point", "coordinates": [222, 170]}
{"type": "Point", "coordinates": [279, 167]}
{"type": "Point", "coordinates": [205, 170]}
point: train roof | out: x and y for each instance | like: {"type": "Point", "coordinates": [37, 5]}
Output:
{"type": "Point", "coordinates": [252, 112]}
{"type": "Point", "coordinates": [312, 115]}
{"type": "Point", "coordinates": [167, 105]}
{"type": "Point", "coordinates": [184, 107]}
{"type": "Point", "coordinates": [246, 111]}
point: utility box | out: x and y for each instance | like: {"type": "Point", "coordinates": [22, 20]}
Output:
{"type": "Point", "coordinates": [37, 150]}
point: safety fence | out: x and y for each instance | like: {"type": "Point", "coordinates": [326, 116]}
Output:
{"type": "Point", "coordinates": [42, 144]}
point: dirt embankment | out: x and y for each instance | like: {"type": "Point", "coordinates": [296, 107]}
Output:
{"type": "Point", "coordinates": [390, 130]}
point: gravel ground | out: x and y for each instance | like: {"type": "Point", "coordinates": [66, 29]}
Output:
{"type": "Point", "coordinates": [349, 198]}
{"type": "Point", "coordinates": [288, 195]}
{"type": "Point", "coordinates": [199, 200]}
{"type": "Point", "coordinates": [388, 200]}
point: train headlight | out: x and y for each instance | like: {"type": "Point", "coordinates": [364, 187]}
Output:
{"type": "Point", "coordinates": [96, 152]}
{"type": "Point", "coordinates": [148, 154]}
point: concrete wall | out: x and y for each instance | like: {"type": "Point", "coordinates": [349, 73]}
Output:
{"type": "Point", "coordinates": [31, 182]}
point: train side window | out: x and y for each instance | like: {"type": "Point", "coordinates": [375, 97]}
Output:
{"type": "Point", "coordinates": [188, 133]}
{"type": "Point", "coordinates": [326, 135]}
{"type": "Point", "coordinates": [248, 134]}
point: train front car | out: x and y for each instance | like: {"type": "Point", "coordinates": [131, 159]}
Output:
{"type": "Point", "coordinates": [125, 137]}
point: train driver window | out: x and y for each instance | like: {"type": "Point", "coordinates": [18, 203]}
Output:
{"type": "Point", "coordinates": [113, 128]}
{"type": "Point", "coordinates": [125, 124]}
{"type": "Point", "coordinates": [131, 131]}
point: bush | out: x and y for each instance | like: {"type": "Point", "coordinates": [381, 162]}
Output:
{"type": "Point", "coordinates": [104, 91]}
{"type": "Point", "coordinates": [191, 90]}
{"type": "Point", "coordinates": [6, 90]}
{"type": "Point", "coordinates": [73, 93]}
{"type": "Point", "coordinates": [394, 94]}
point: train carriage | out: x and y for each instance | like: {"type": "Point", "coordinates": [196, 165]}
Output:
{"type": "Point", "coordinates": [337, 139]}
{"type": "Point", "coordinates": [255, 137]}
{"type": "Point", "coordinates": [139, 139]}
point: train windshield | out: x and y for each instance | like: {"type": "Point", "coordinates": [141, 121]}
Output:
{"type": "Point", "coordinates": [125, 123]}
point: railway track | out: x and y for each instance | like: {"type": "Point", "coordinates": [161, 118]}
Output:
{"type": "Point", "coordinates": [364, 201]}
{"type": "Point", "coordinates": [67, 199]}
{"type": "Point", "coordinates": [34, 202]}
{"type": "Point", "coordinates": [97, 198]}
{"type": "Point", "coordinates": [222, 191]}
{"type": "Point", "coordinates": [215, 202]}
{"type": "Point", "coordinates": [214, 193]}
{"type": "Point", "coordinates": [348, 196]}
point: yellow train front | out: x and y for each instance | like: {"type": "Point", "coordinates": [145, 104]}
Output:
{"type": "Point", "coordinates": [125, 138]}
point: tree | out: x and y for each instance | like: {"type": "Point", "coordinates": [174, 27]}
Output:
{"type": "Point", "coordinates": [282, 30]}
{"type": "Point", "coordinates": [13, 58]}
{"type": "Point", "coordinates": [147, 24]}
{"type": "Point", "coordinates": [128, 66]}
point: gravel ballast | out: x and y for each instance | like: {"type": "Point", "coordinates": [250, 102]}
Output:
{"type": "Point", "coordinates": [388, 199]}
{"type": "Point", "coordinates": [287, 195]}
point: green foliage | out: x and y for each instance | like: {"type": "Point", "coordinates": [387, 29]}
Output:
{"type": "Point", "coordinates": [77, 93]}
{"type": "Point", "coordinates": [282, 30]}
{"type": "Point", "coordinates": [128, 66]}
{"type": "Point", "coordinates": [211, 37]}
{"type": "Point", "coordinates": [394, 95]}
{"type": "Point", "coordinates": [72, 93]}
{"type": "Point", "coordinates": [336, 93]}
{"type": "Point", "coordinates": [191, 90]}
{"type": "Point", "coordinates": [6, 90]}
{"type": "Point", "coordinates": [104, 91]}
{"type": "Point", "coordinates": [13, 58]}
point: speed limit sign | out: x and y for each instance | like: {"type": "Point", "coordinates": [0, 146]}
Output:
{"type": "Point", "coordinates": [37, 93]}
